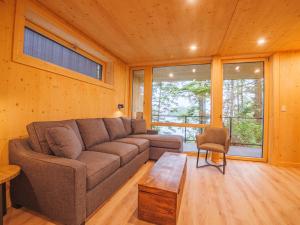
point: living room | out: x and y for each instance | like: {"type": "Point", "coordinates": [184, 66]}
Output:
{"type": "Point", "coordinates": [149, 112]}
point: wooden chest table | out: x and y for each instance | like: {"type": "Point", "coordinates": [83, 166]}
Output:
{"type": "Point", "coordinates": [160, 191]}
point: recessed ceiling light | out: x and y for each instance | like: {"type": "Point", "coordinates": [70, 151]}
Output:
{"type": "Point", "coordinates": [171, 75]}
{"type": "Point", "coordinates": [193, 47]}
{"type": "Point", "coordinates": [261, 41]}
{"type": "Point", "coordinates": [257, 70]}
{"type": "Point", "coordinates": [191, 1]}
{"type": "Point", "coordinates": [237, 68]}
{"type": "Point", "coordinates": [194, 70]}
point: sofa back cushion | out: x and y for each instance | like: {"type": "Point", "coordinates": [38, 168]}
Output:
{"type": "Point", "coordinates": [92, 131]}
{"type": "Point", "coordinates": [63, 142]}
{"type": "Point", "coordinates": [115, 128]}
{"type": "Point", "coordinates": [139, 126]}
{"type": "Point", "coordinates": [127, 125]}
{"type": "Point", "coordinates": [37, 131]}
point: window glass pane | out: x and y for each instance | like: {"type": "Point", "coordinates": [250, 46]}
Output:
{"type": "Point", "coordinates": [39, 46]}
{"type": "Point", "coordinates": [181, 94]}
{"type": "Point", "coordinates": [137, 94]}
{"type": "Point", "coordinates": [243, 97]}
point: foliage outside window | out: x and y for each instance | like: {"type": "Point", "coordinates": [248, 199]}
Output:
{"type": "Point", "coordinates": [181, 94]}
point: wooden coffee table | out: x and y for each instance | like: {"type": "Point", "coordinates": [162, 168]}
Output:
{"type": "Point", "coordinates": [160, 191]}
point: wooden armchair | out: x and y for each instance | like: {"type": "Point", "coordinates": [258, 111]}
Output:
{"type": "Point", "coordinates": [216, 140]}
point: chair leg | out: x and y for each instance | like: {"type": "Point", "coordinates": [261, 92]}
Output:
{"type": "Point", "coordinates": [206, 155]}
{"type": "Point", "coordinates": [224, 162]}
{"type": "Point", "coordinates": [198, 156]}
{"type": "Point", "coordinates": [210, 164]}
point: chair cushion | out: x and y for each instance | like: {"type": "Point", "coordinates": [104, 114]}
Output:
{"type": "Point", "coordinates": [63, 142]}
{"type": "Point", "coordinates": [161, 141]}
{"type": "Point", "coordinates": [138, 126]}
{"type": "Point", "coordinates": [142, 144]}
{"type": "Point", "coordinates": [93, 131]}
{"type": "Point", "coordinates": [125, 151]}
{"type": "Point", "coordinates": [37, 132]}
{"type": "Point", "coordinates": [98, 166]}
{"type": "Point", "coordinates": [115, 128]}
{"type": "Point", "coordinates": [212, 147]}
{"type": "Point", "coordinates": [127, 125]}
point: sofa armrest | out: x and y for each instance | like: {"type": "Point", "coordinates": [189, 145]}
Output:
{"type": "Point", "coordinates": [152, 132]}
{"type": "Point", "coordinates": [54, 186]}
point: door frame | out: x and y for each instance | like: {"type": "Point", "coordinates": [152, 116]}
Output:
{"type": "Point", "coordinates": [266, 105]}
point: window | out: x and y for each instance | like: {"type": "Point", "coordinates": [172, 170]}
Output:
{"type": "Point", "coordinates": [181, 94]}
{"type": "Point", "coordinates": [137, 93]}
{"type": "Point", "coordinates": [41, 47]}
{"type": "Point", "coordinates": [181, 101]}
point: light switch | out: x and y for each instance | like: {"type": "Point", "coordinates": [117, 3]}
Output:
{"type": "Point", "coordinates": [283, 108]}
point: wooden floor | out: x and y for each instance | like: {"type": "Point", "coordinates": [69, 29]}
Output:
{"type": "Point", "coordinates": [249, 193]}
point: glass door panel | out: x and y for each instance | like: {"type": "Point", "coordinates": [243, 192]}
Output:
{"type": "Point", "coordinates": [137, 94]}
{"type": "Point", "coordinates": [243, 101]}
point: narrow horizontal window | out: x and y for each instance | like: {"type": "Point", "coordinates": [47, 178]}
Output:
{"type": "Point", "coordinates": [41, 47]}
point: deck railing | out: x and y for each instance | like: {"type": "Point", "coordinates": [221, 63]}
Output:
{"type": "Point", "coordinates": [228, 121]}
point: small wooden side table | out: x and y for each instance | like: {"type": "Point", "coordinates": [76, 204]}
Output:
{"type": "Point", "coordinates": [7, 173]}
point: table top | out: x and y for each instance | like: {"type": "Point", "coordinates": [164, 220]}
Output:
{"type": "Point", "coordinates": [166, 175]}
{"type": "Point", "coordinates": [8, 172]}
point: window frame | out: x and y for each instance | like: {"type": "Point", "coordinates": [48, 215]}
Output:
{"type": "Point", "coordinates": [62, 42]}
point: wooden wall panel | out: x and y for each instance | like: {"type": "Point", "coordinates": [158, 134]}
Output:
{"type": "Point", "coordinates": [285, 117]}
{"type": "Point", "coordinates": [28, 94]}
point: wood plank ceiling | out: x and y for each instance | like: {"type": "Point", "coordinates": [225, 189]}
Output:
{"type": "Point", "coordinates": [154, 30]}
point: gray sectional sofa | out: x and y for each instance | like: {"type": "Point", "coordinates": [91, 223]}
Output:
{"type": "Point", "coordinates": [68, 190]}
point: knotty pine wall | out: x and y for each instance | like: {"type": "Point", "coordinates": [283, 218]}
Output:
{"type": "Point", "coordinates": [285, 113]}
{"type": "Point", "coordinates": [28, 94]}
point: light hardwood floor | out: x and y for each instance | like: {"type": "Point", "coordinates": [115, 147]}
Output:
{"type": "Point", "coordinates": [249, 193]}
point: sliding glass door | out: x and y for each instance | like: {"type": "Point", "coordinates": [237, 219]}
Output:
{"type": "Point", "coordinates": [181, 102]}
{"type": "Point", "coordinates": [243, 107]}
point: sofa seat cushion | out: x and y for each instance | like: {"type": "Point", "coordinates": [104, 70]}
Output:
{"type": "Point", "coordinates": [213, 147]}
{"type": "Point", "coordinates": [125, 151]}
{"type": "Point", "coordinates": [99, 166]}
{"type": "Point", "coordinates": [141, 143]}
{"type": "Point", "coordinates": [37, 134]}
{"type": "Point", "coordinates": [161, 141]}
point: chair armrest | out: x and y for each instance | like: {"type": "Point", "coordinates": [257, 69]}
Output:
{"type": "Point", "coordinates": [48, 184]}
{"type": "Point", "coordinates": [152, 132]}
{"type": "Point", "coordinates": [200, 139]}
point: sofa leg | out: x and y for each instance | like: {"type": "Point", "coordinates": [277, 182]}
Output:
{"type": "Point", "coordinates": [83, 223]}
{"type": "Point", "coordinates": [16, 206]}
